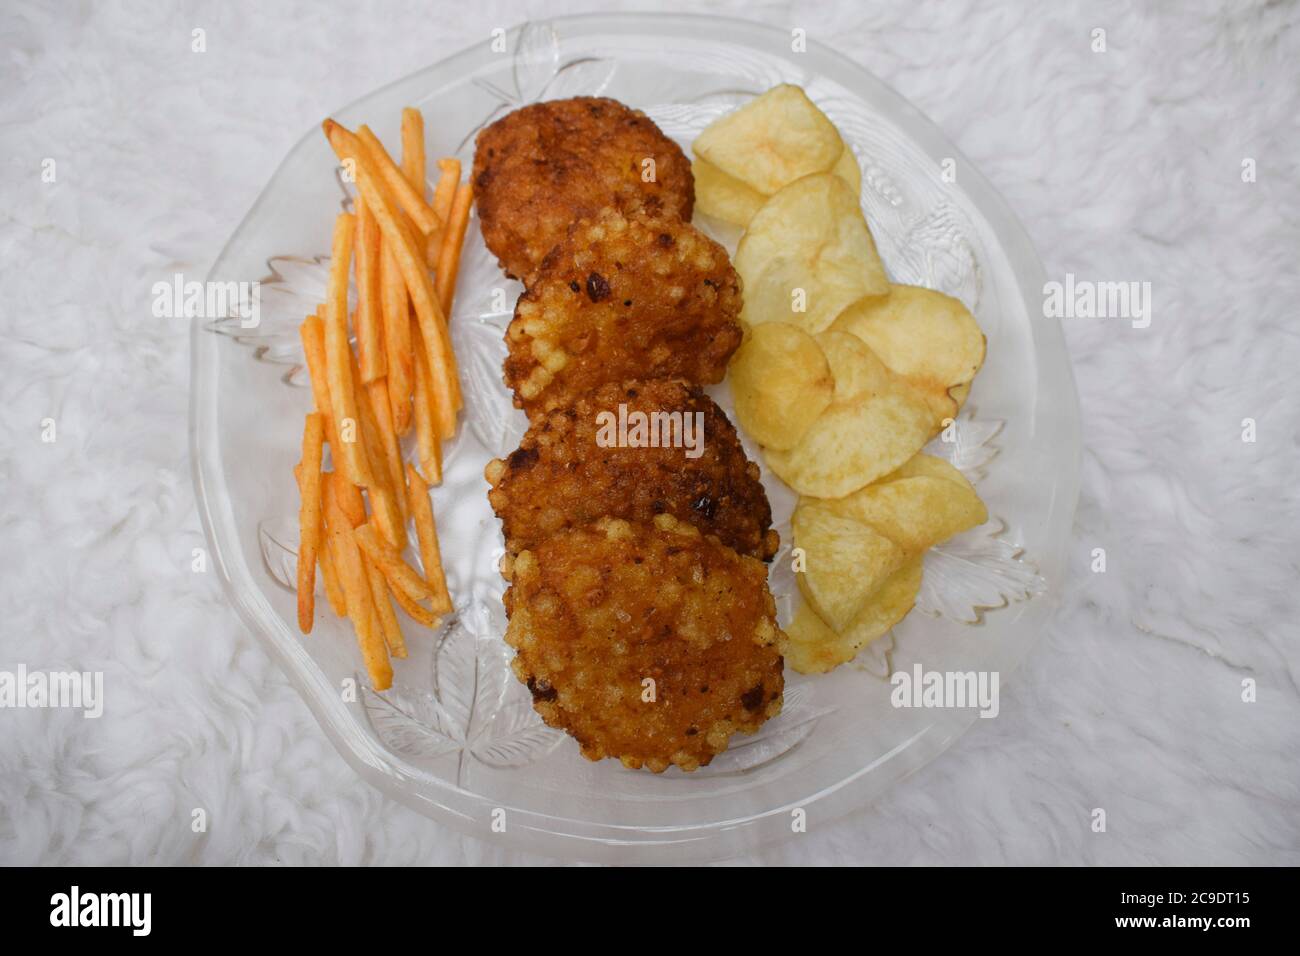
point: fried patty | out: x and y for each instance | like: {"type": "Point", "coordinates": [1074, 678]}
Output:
{"type": "Point", "coordinates": [624, 296]}
{"type": "Point", "coordinates": [645, 641]}
{"type": "Point", "coordinates": [547, 165]}
{"type": "Point", "coordinates": [566, 471]}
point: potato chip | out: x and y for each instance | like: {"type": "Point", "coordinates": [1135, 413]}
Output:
{"type": "Point", "coordinates": [928, 338]}
{"type": "Point", "coordinates": [847, 168]}
{"type": "Point", "coordinates": [807, 255]}
{"type": "Point", "coordinates": [929, 466]}
{"type": "Point", "coordinates": [772, 140]}
{"type": "Point", "coordinates": [856, 587]}
{"type": "Point", "coordinates": [889, 605]}
{"type": "Point", "coordinates": [854, 442]}
{"type": "Point", "coordinates": [915, 513]}
{"type": "Point", "coordinates": [780, 382]}
{"type": "Point", "coordinates": [846, 561]}
{"type": "Point", "coordinates": [959, 394]}
{"type": "Point", "coordinates": [722, 196]}
{"type": "Point", "coordinates": [918, 505]}
{"type": "Point", "coordinates": [811, 647]}
{"type": "Point", "coordinates": [727, 198]}
{"type": "Point", "coordinates": [858, 373]}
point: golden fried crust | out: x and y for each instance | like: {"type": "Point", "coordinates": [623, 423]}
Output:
{"type": "Point", "coordinates": [624, 296]}
{"type": "Point", "coordinates": [542, 167]}
{"type": "Point", "coordinates": [598, 613]}
{"type": "Point", "coordinates": [565, 473]}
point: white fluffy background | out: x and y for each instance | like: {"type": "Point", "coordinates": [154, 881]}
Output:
{"type": "Point", "coordinates": [1122, 165]}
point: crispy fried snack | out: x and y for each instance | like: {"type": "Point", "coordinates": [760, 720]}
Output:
{"type": "Point", "coordinates": [624, 296]}
{"type": "Point", "coordinates": [547, 165]}
{"type": "Point", "coordinates": [566, 472]}
{"type": "Point", "coordinates": [647, 642]}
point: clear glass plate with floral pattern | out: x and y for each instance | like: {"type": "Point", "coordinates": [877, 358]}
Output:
{"type": "Point", "coordinates": [456, 737]}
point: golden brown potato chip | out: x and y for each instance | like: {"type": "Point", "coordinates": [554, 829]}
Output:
{"type": "Point", "coordinates": [858, 373]}
{"type": "Point", "coordinates": [847, 169]}
{"type": "Point", "coordinates": [722, 196]}
{"type": "Point", "coordinates": [889, 605]}
{"type": "Point", "coordinates": [862, 556]}
{"type": "Point", "coordinates": [772, 140]}
{"type": "Point", "coordinates": [811, 647]}
{"type": "Point", "coordinates": [915, 513]}
{"type": "Point", "coordinates": [845, 561]}
{"type": "Point", "coordinates": [852, 444]}
{"type": "Point", "coordinates": [807, 255]}
{"type": "Point", "coordinates": [780, 382]}
{"type": "Point", "coordinates": [727, 198]}
{"type": "Point", "coordinates": [929, 466]}
{"type": "Point", "coordinates": [928, 338]}
{"type": "Point", "coordinates": [928, 502]}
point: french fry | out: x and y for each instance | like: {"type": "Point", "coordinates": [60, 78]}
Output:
{"type": "Point", "coordinates": [413, 163]}
{"type": "Point", "coordinates": [352, 520]}
{"type": "Point", "coordinates": [333, 591]}
{"type": "Point", "coordinates": [453, 237]}
{"type": "Point", "coordinates": [413, 168]}
{"type": "Point", "coordinates": [397, 329]}
{"type": "Point", "coordinates": [384, 496]}
{"type": "Point", "coordinates": [333, 588]}
{"type": "Point", "coordinates": [334, 546]}
{"type": "Point", "coordinates": [433, 325]}
{"type": "Point", "coordinates": [383, 493]}
{"type": "Point", "coordinates": [351, 505]}
{"type": "Point", "coordinates": [408, 196]}
{"type": "Point", "coordinates": [411, 261]}
{"type": "Point", "coordinates": [416, 612]}
{"type": "Point", "coordinates": [349, 149]}
{"type": "Point", "coordinates": [426, 428]}
{"type": "Point", "coordinates": [356, 586]}
{"type": "Point", "coordinates": [427, 534]}
{"type": "Point", "coordinates": [387, 516]}
{"type": "Point", "coordinates": [350, 501]}
{"type": "Point", "coordinates": [369, 317]}
{"type": "Point", "coordinates": [397, 340]}
{"type": "Point", "coordinates": [389, 560]}
{"type": "Point", "coordinates": [313, 437]}
{"type": "Point", "coordinates": [312, 333]}
{"type": "Point", "coordinates": [377, 393]}
{"type": "Point", "coordinates": [445, 192]}
{"type": "Point", "coordinates": [388, 626]}
{"type": "Point", "coordinates": [350, 453]}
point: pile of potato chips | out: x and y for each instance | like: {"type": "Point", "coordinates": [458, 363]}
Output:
{"type": "Point", "coordinates": [843, 376]}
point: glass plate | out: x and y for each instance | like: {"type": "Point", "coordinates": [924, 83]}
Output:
{"type": "Point", "coordinates": [456, 737]}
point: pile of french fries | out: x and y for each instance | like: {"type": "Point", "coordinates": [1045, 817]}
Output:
{"type": "Point", "coordinates": [404, 252]}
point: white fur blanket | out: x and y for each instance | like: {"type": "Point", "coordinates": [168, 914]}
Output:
{"type": "Point", "coordinates": [1123, 165]}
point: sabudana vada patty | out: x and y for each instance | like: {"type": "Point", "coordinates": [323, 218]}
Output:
{"type": "Point", "coordinates": [648, 642]}
{"type": "Point", "coordinates": [542, 167]}
{"type": "Point", "coordinates": [566, 473]}
{"type": "Point", "coordinates": [624, 296]}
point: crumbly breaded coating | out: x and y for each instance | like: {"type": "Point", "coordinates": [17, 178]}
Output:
{"type": "Point", "coordinates": [542, 167]}
{"type": "Point", "coordinates": [624, 296]}
{"type": "Point", "coordinates": [648, 642]}
{"type": "Point", "coordinates": [566, 473]}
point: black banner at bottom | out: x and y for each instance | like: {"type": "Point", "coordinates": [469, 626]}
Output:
{"type": "Point", "coordinates": [219, 905]}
